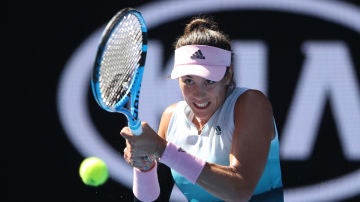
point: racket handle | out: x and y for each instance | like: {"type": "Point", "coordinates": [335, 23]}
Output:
{"type": "Point", "coordinates": [136, 128]}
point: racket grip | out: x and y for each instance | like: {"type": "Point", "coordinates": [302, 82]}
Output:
{"type": "Point", "coordinates": [136, 128]}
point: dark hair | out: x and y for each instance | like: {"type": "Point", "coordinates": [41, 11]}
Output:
{"type": "Point", "coordinates": [203, 30]}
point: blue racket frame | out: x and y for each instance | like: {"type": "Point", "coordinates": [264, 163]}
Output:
{"type": "Point", "coordinates": [133, 92]}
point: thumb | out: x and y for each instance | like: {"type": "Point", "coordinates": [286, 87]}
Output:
{"type": "Point", "coordinates": [126, 133]}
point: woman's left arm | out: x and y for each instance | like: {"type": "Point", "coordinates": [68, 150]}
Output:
{"type": "Point", "coordinates": [250, 146]}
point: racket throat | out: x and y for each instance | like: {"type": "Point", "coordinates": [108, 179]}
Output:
{"type": "Point", "coordinates": [135, 127]}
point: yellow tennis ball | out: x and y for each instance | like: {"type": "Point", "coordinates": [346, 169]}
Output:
{"type": "Point", "coordinates": [93, 171]}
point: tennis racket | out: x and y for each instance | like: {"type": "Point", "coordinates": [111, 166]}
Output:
{"type": "Point", "coordinates": [119, 66]}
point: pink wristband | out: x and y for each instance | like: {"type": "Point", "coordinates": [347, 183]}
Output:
{"type": "Point", "coordinates": [145, 184]}
{"type": "Point", "coordinates": [186, 164]}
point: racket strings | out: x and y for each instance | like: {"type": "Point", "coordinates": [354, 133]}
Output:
{"type": "Point", "coordinates": [120, 60]}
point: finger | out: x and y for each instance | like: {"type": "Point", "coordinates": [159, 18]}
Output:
{"type": "Point", "coordinates": [127, 157]}
{"type": "Point", "coordinates": [125, 153]}
{"type": "Point", "coordinates": [149, 158]}
{"type": "Point", "coordinates": [135, 152]}
{"type": "Point", "coordinates": [141, 164]}
{"type": "Point", "coordinates": [132, 158]}
{"type": "Point", "coordinates": [148, 163]}
{"type": "Point", "coordinates": [126, 132]}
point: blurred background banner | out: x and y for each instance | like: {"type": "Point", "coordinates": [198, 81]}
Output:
{"type": "Point", "coordinates": [304, 54]}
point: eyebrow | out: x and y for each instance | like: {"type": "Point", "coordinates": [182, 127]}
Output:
{"type": "Point", "coordinates": [188, 76]}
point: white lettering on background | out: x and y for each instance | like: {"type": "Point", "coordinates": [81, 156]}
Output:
{"type": "Point", "coordinates": [327, 75]}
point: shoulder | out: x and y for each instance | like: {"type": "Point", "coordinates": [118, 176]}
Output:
{"type": "Point", "coordinates": [252, 97]}
{"type": "Point", "coordinates": [169, 110]}
{"type": "Point", "coordinates": [252, 102]}
{"type": "Point", "coordinates": [165, 119]}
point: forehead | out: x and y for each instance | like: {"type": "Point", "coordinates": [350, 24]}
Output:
{"type": "Point", "coordinates": [193, 77]}
{"type": "Point", "coordinates": [199, 79]}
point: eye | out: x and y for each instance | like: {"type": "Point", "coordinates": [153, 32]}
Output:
{"type": "Point", "coordinates": [209, 82]}
{"type": "Point", "coordinates": [188, 81]}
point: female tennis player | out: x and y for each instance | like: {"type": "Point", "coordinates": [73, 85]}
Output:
{"type": "Point", "coordinates": [220, 143]}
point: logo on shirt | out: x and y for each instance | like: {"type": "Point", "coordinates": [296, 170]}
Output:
{"type": "Point", "coordinates": [217, 130]}
{"type": "Point", "coordinates": [180, 149]}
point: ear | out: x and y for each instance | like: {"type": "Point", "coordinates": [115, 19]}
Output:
{"type": "Point", "coordinates": [229, 75]}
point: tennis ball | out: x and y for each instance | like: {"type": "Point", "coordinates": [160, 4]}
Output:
{"type": "Point", "coordinates": [93, 171]}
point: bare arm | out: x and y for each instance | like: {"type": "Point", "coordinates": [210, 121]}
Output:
{"type": "Point", "coordinates": [250, 145]}
{"type": "Point", "coordinates": [165, 119]}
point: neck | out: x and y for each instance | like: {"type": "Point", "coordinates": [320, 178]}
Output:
{"type": "Point", "coordinates": [199, 124]}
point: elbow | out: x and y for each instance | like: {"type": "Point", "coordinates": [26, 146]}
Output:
{"type": "Point", "coordinates": [242, 188]}
{"type": "Point", "coordinates": [239, 195]}
{"type": "Point", "coordinates": [239, 191]}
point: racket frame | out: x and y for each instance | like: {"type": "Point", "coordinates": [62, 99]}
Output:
{"type": "Point", "coordinates": [133, 92]}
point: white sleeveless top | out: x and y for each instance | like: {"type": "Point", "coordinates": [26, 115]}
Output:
{"type": "Point", "coordinates": [214, 144]}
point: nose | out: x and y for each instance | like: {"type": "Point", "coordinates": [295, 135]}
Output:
{"type": "Point", "coordinates": [199, 90]}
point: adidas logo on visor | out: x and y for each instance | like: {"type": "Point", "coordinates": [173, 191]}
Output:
{"type": "Point", "coordinates": [198, 55]}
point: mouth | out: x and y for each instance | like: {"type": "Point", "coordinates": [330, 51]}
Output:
{"type": "Point", "coordinates": [202, 105]}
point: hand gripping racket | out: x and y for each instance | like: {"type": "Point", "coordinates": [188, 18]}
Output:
{"type": "Point", "coordinates": [119, 66]}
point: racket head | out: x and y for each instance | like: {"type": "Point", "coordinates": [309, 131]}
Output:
{"type": "Point", "coordinates": [119, 64]}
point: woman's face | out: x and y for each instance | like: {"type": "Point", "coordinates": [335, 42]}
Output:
{"type": "Point", "coordinates": [202, 95]}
